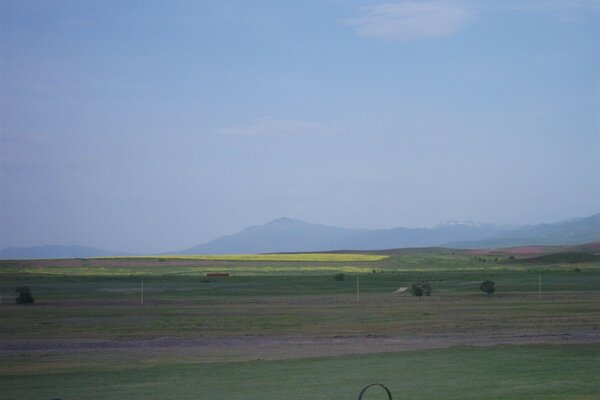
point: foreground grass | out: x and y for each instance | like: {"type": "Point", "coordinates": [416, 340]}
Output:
{"type": "Point", "coordinates": [502, 372]}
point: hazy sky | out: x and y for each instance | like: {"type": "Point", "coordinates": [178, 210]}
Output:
{"type": "Point", "coordinates": [157, 125]}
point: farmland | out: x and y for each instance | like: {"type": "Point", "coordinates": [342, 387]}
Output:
{"type": "Point", "coordinates": [225, 337]}
{"type": "Point", "coordinates": [335, 257]}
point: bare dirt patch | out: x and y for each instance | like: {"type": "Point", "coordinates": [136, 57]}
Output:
{"type": "Point", "coordinates": [284, 347]}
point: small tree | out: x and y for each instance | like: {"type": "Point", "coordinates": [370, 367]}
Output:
{"type": "Point", "coordinates": [487, 287]}
{"type": "Point", "coordinates": [23, 295]}
{"type": "Point", "coordinates": [339, 277]}
{"type": "Point", "coordinates": [421, 289]}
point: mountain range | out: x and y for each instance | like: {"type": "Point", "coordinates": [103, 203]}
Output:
{"type": "Point", "coordinates": [290, 235]}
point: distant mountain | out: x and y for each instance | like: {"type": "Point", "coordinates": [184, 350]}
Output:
{"type": "Point", "coordinates": [415, 237]}
{"type": "Point", "coordinates": [573, 231]}
{"type": "Point", "coordinates": [54, 251]}
{"type": "Point", "coordinates": [280, 235]}
{"type": "Point", "coordinates": [289, 235]}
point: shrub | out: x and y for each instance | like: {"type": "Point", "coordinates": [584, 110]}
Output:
{"type": "Point", "coordinates": [421, 289]}
{"type": "Point", "coordinates": [24, 295]}
{"type": "Point", "coordinates": [487, 287]}
{"type": "Point", "coordinates": [339, 276]}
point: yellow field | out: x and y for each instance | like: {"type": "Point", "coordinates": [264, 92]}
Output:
{"type": "Point", "coordinates": [309, 257]}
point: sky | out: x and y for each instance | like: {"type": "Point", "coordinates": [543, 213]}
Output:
{"type": "Point", "coordinates": [152, 126]}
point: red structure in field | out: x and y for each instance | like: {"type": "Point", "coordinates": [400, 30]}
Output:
{"type": "Point", "coordinates": [218, 275]}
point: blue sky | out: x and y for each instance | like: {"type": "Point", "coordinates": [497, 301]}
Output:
{"type": "Point", "coordinates": [156, 125]}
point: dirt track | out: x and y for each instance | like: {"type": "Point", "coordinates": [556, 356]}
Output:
{"type": "Point", "coordinates": [258, 347]}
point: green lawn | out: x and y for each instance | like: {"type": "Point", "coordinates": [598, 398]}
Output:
{"type": "Point", "coordinates": [501, 372]}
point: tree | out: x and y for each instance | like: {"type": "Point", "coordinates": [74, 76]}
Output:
{"type": "Point", "coordinates": [421, 289]}
{"type": "Point", "coordinates": [487, 287]}
{"type": "Point", "coordinates": [24, 295]}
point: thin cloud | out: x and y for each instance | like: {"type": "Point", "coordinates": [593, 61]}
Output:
{"type": "Point", "coordinates": [412, 20]}
{"type": "Point", "coordinates": [274, 127]}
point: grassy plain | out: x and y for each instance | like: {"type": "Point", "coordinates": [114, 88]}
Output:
{"type": "Point", "coordinates": [503, 372]}
{"type": "Point", "coordinates": [201, 338]}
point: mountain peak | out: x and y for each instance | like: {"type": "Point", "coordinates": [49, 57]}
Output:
{"type": "Point", "coordinates": [285, 221]}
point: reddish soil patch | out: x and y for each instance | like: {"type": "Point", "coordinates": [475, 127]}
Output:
{"type": "Point", "coordinates": [527, 250]}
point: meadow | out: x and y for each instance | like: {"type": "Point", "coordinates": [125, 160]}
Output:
{"type": "Point", "coordinates": [216, 338]}
{"type": "Point", "coordinates": [503, 372]}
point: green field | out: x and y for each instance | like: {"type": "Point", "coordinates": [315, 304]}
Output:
{"type": "Point", "coordinates": [196, 337]}
{"type": "Point", "coordinates": [503, 372]}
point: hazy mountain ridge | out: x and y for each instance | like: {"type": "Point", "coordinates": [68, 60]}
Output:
{"type": "Point", "coordinates": [290, 235]}
{"type": "Point", "coordinates": [415, 237]}
{"type": "Point", "coordinates": [280, 235]}
{"type": "Point", "coordinates": [56, 251]}
{"type": "Point", "coordinates": [572, 231]}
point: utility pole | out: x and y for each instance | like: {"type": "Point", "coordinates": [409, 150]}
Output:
{"type": "Point", "coordinates": [357, 289]}
{"type": "Point", "coordinates": [142, 298]}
